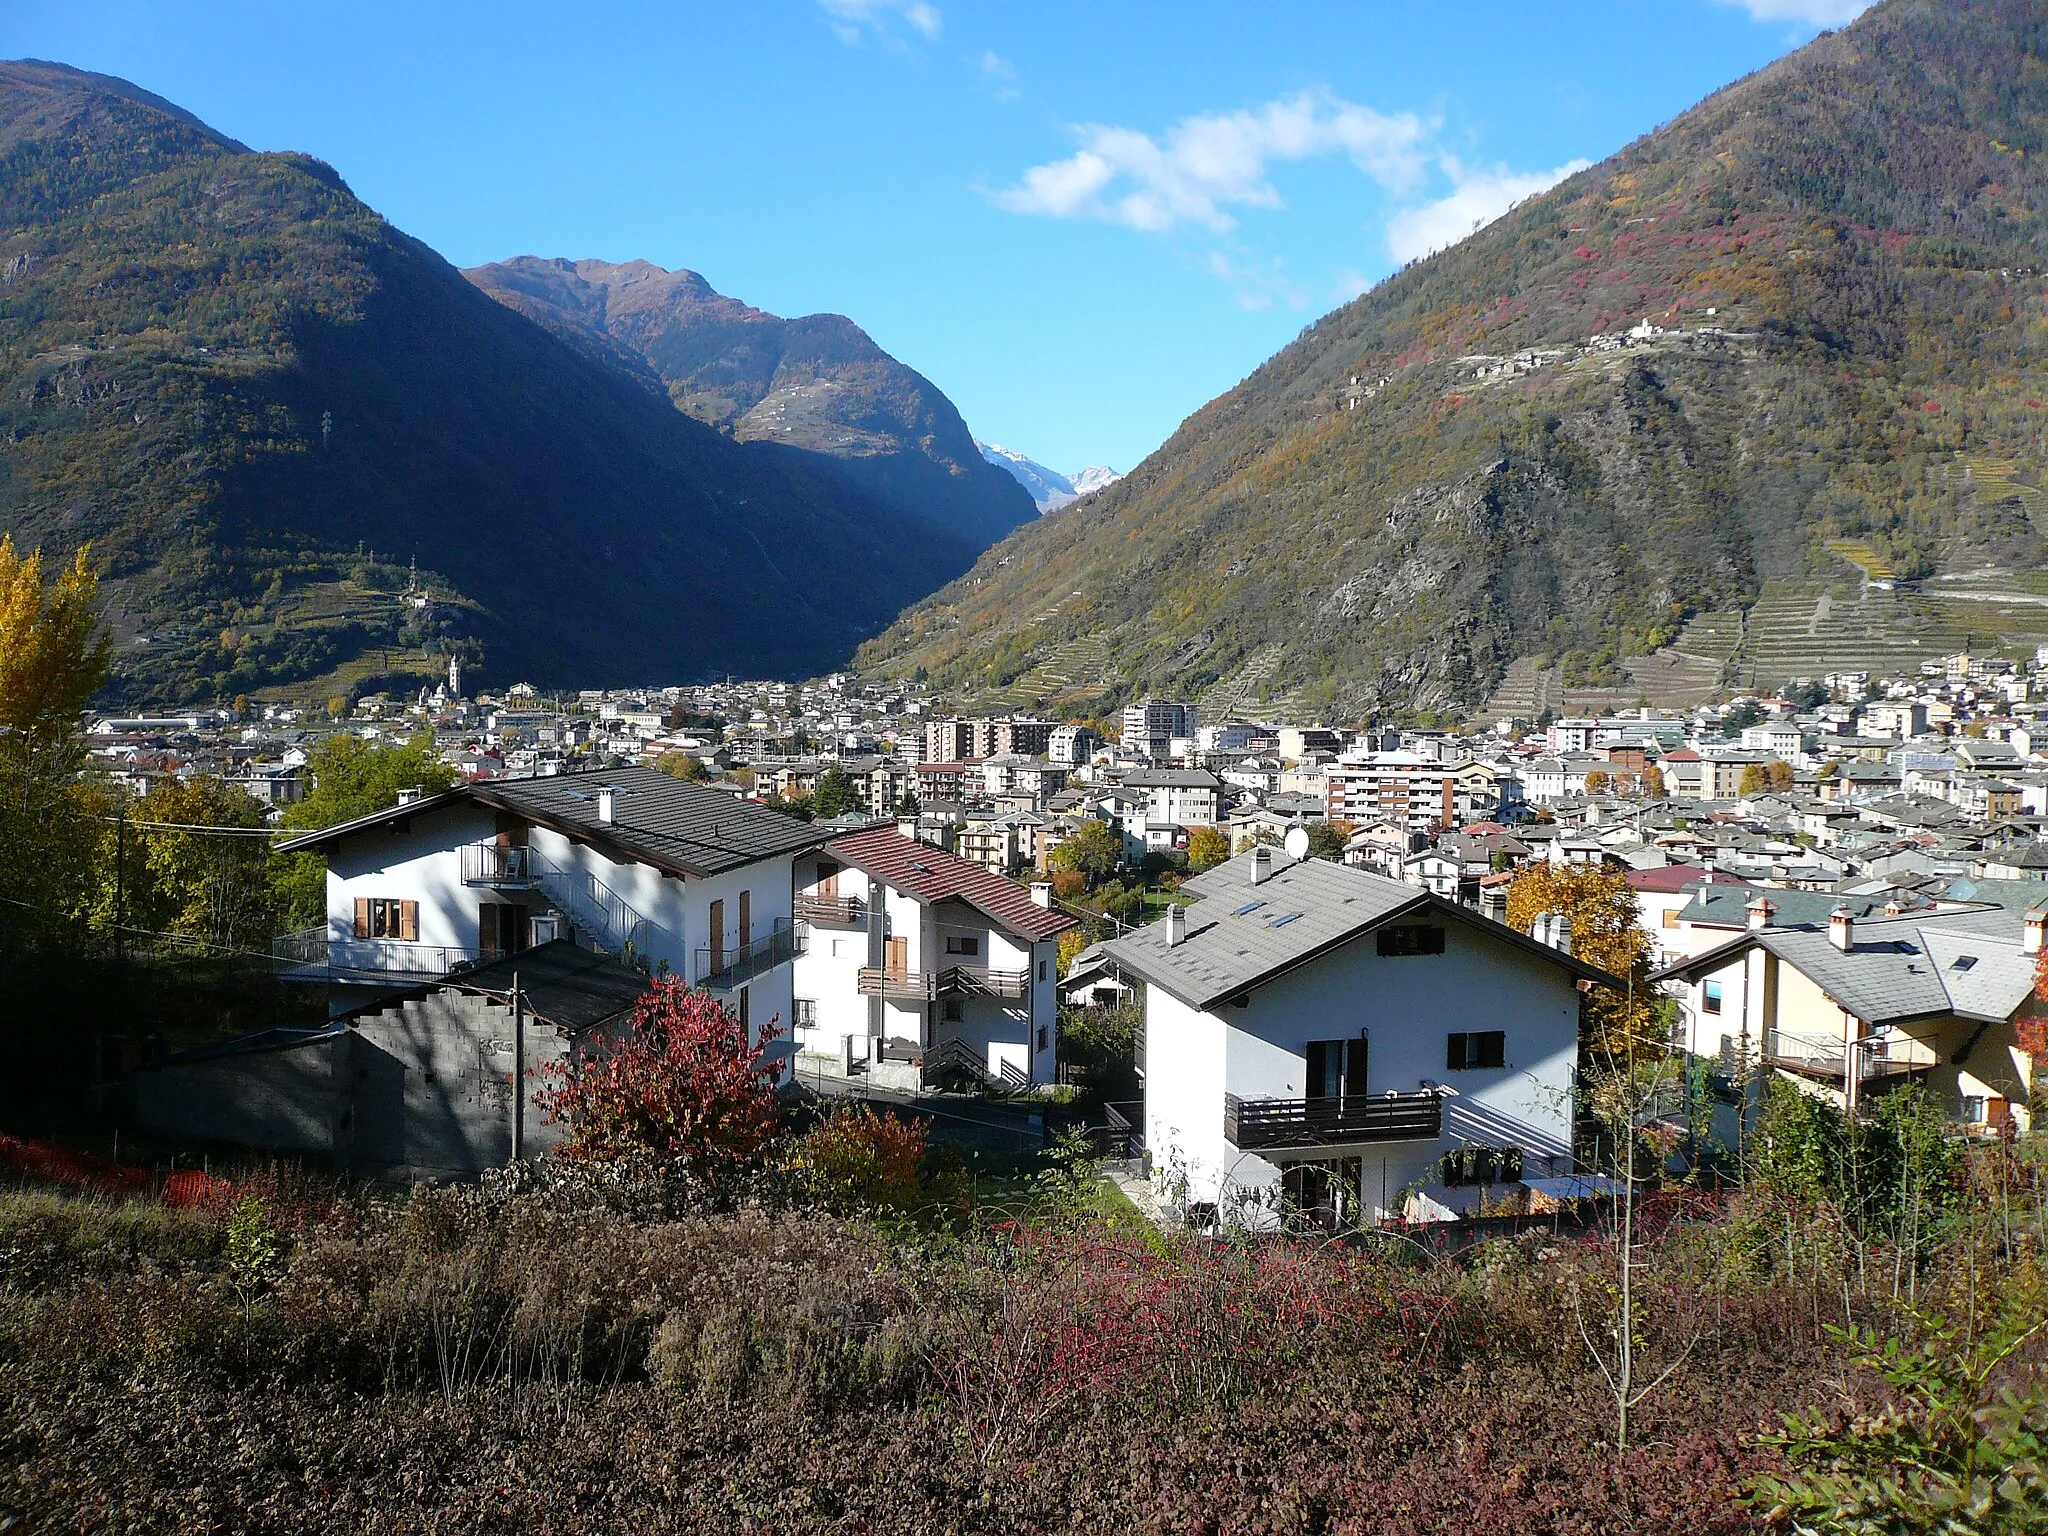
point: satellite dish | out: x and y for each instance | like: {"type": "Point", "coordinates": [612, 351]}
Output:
{"type": "Point", "coordinates": [1296, 841]}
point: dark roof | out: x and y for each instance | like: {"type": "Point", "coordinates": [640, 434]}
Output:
{"type": "Point", "coordinates": [1241, 936]}
{"type": "Point", "coordinates": [678, 827]}
{"type": "Point", "coordinates": [563, 985]}
{"type": "Point", "coordinates": [931, 874]}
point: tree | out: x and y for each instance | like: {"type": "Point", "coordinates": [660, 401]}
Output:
{"type": "Point", "coordinates": [835, 795]}
{"type": "Point", "coordinates": [1779, 775]}
{"type": "Point", "coordinates": [1596, 782]}
{"type": "Point", "coordinates": [1605, 933]}
{"type": "Point", "coordinates": [206, 885]}
{"type": "Point", "coordinates": [1326, 842]}
{"type": "Point", "coordinates": [1653, 782]}
{"type": "Point", "coordinates": [683, 765]}
{"type": "Point", "coordinates": [1207, 848]}
{"type": "Point", "coordinates": [53, 657]}
{"type": "Point", "coordinates": [684, 1085]}
{"type": "Point", "coordinates": [1755, 780]}
{"type": "Point", "coordinates": [1094, 852]}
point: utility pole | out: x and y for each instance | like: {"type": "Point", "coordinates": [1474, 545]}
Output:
{"type": "Point", "coordinates": [120, 865]}
{"type": "Point", "coordinates": [518, 1072]}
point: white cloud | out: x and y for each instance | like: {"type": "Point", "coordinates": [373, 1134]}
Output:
{"type": "Point", "coordinates": [1204, 166]}
{"type": "Point", "coordinates": [1815, 13]}
{"type": "Point", "coordinates": [1476, 199]}
{"type": "Point", "coordinates": [850, 16]}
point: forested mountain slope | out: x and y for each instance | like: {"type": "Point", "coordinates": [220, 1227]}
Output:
{"type": "Point", "coordinates": [817, 383]}
{"type": "Point", "coordinates": [262, 403]}
{"type": "Point", "coordinates": [1842, 257]}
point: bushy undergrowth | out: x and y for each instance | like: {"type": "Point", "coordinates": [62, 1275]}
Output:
{"type": "Point", "coordinates": [560, 1350]}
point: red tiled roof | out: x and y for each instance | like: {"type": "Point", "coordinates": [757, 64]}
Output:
{"type": "Point", "coordinates": [932, 874]}
{"type": "Point", "coordinates": [1665, 877]}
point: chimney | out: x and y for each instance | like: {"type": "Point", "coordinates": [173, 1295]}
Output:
{"type": "Point", "coordinates": [1176, 925]}
{"type": "Point", "coordinates": [1539, 930]}
{"type": "Point", "coordinates": [1895, 908]}
{"type": "Point", "coordinates": [1262, 864]}
{"type": "Point", "coordinates": [1561, 934]}
{"type": "Point", "coordinates": [604, 803]}
{"type": "Point", "coordinates": [1450, 805]}
{"type": "Point", "coordinates": [413, 795]}
{"type": "Point", "coordinates": [1842, 929]}
{"type": "Point", "coordinates": [2031, 926]}
{"type": "Point", "coordinates": [1761, 910]}
{"type": "Point", "coordinates": [1041, 892]}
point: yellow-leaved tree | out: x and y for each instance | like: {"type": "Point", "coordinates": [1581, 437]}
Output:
{"type": "Point", "coordinates": [53, 657]}
{"type": "Point", "coordinates": [1619, 1022]}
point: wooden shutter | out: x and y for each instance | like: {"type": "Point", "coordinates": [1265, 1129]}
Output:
{"type": "Point", "coordinates": [1493, 1049]}
{"type": "Point", "coordinates": [1354, 1068]}
{"type": "Point", "coordinates": [409, 921]}
{"type": "Point", "coordinates": [362, 930]}
{"type": "Point", "coordinates": [487, 927]}
{"type": "Point", "coordinates": [898, 963]}
{"type": "Point", "coordinates": [746, 918]}
{"type": "Point", "coordinates": [1318, 1068]}
{"type": "Point", "coordinates": [1454, 1053]}
{"type": "Point", "coordinates": [717, 945]}
{"type": "Point", "coordinates": [828, 880]}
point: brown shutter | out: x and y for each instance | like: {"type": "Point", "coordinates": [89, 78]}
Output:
{"type": "Point", "coordinates": [717, 945]}
{"type": "Point", "coordinates": [363, 917]}
{"type": "Point", "coordinates": [409, 921]}
{"type": "Point", "coordinates": [746, 919]}
{"type": "Point", "coordinates": [487, 927]}
{"type": "Point", "coordinates": [898, 963]}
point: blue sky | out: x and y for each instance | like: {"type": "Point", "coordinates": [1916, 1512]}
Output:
{"type": "Point", "coordinates": [1080, 219]}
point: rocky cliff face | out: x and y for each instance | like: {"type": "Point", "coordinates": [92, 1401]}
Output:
{"type": "Point", "coordinates": [816, 385]}
{"type": "Point", "coordinates": [1494, 455]}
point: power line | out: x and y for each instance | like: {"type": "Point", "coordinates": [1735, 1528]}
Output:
{"type": "Point", "coordinates": [190, 826]}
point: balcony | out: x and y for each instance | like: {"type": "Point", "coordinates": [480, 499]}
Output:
{"type": "Point", "coordinates": [897, 986]}
{"type": "Point", "coordinates": [954, 981]}
{"type": "Point", "coordinates": [499, 867]}
{"type": "Point", "coordinates": [720, 970]}
{"type": "Point", "coordinates": [1828, 1059]}
{"type": "Point", "coordinates": [1254, 1123]}
{"type": "Point", "coordinates": [309, 955]}
{"type": "Point", "coordinates": [842, 911]}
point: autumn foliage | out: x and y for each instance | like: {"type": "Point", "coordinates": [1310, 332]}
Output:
{"type": "Point", "coordinates": [1605, 933]}
{"type": "Point", "coordinates": [683, 1083]}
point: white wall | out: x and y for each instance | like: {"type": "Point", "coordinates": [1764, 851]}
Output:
{"type": "Point", "coordinates": [1406, 1006]}
{"type": "Point", "coordinates": [418, 860]}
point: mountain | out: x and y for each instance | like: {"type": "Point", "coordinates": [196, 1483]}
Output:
{"type": "Point", "coordinates": [1050, 490]}
{"type": "Point", "coordinates": [1823, 446]}
{"type": "Point", "coordinates": [818, 384]}
{"type": "Point", "coordinates": [262, 405]}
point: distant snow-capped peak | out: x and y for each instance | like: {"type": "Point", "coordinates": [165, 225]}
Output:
{"type": "Point", "coordinates": [1050, 489]}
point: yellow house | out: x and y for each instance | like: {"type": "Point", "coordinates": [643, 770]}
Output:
{"type": "Point", "coordinates": [1862, 1004]}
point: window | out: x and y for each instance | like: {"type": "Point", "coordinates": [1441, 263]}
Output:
{"type": "Point", "coordinates": [806, 1011]}
{"type": "Point", "coordinates": [380, 917]}
{"type": "Point", "coordinates": [1671, 917]}
{"type": "Point", "coordinates": [1411, 941]}
{"type": "Point", "coordinates": [962, 944]}
{"type": "Point", "coordinates": [954, 1013]}
{"type": "Point", "coordinates": [1710, 997]}
{"type": "Point", "coordinates": [1480, 1165]}
{"type": "Point", "coordinates": [1041, 970]}
{"type": "Point", "coordinates": [1975, 1110]}
{"type": "Point", "coordinates": [1477, 1049]}
{"type": "Point", "coordinates": [1336, 1068]}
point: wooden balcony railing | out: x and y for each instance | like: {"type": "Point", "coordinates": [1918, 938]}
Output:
{"type": "Point", "coordinates": [1249, 1123]}
{"type": "Point", "coordinates": [847, 911]}
{"type": "Point", "coordinates": [902, 986]}
{"type": "Point", "coordinates": [980, 981]}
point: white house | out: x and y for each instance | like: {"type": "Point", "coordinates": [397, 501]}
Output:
{"type": "Point", "coordinates": [915, 960]}
{"type": "Point", "coordinates": [1347, 1043]}
{"type": "Point", "coordinates": [626, 861]}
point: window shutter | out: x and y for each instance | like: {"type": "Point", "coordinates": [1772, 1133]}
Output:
{"type": "Point", "coordinates": [487, 926]}
{"type": "Point", "coordinates": [1354, 1068]}
{"type": "Point", "coordinates": [1454, 1053]}
{"type": "Point", "coordinates": [1493, 1049]}
{"type": "Point", "coordinates": [409, 921]}
{"type": "Point", "coordinates": [363, 917]}
{"type": "Point", "coordinates": [1318, 1068]}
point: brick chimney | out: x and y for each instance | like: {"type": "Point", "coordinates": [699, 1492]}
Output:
{"type": "Point", "coordinates": [2031, 929]}
{"type": "Point", "coordinates": [1842, 929]}
{"type": "Point", "coordinates": [1761, 910]}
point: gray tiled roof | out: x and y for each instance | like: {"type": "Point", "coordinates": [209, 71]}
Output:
{"type": "Point", "coordinates": [1922, 965]}
{"type": "Point", "coordinates": [676, 826]}
{"type": "Point", "coordinates": [1240, 935]}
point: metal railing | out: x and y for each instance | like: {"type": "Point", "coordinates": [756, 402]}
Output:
{"type": "Point", "coordinates": [1249, 1123]}
{"type": "Point", "coordinates": [499, 866]}
{"type": "Point", "coordinates": [848, 911]}
{"type": "Point", "coordinates": [1819, 1056]}
{"type": "Point", "coordinates": [722, 969]}
{"type": "Point", "coordinates": [312, 956]}
{"type": "Point", "coordinates": [600, 914]}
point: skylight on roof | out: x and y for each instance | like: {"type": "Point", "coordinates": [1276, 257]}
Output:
{"type": "Point", "coordinates": [1962, 962]}
{"type": "Point", "coordinates": [1282, 920]}
{"type": "Point", "coordinates": [1250, 906]}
